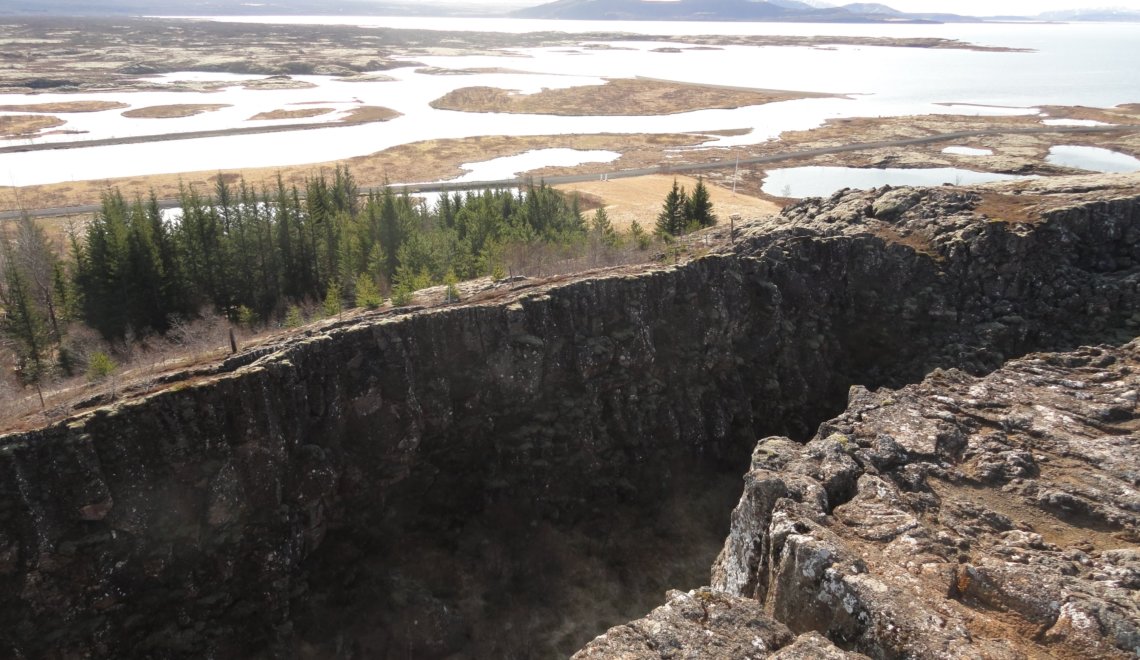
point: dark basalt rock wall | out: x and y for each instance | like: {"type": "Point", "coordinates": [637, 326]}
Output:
{"type": "Point", "coordinates": [228, 517]}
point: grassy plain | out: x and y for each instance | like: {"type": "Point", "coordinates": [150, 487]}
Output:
{"type": "Point", "coordinates": [640, 198]}
{"type": "Point", "coordinates": [303, 113]}
{"type": "Point", "coordinates": [175, 111]}
{"type": "Point", "coordinates": [622, 96]}
{"type": "Point", "coordinates": [16, 126]}
{"type": "Point", "coordinates": [65, 106]}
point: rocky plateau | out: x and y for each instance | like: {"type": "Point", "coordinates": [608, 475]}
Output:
{"type": "Point", "coordinates": [507, 477]}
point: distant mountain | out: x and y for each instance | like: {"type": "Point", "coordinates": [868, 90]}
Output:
{"type": "Point", "coordinates": [808, 11]}
{"type": "Point", "coordinates": [729, 10]}
{"type": "Point", "coordinates": [253, 7]}
{"type": "Point", "coordinates": [1098, 15]}
{"type": "Point", "coordinates": [793, 4]}
{"type": "Point", "coordinates": [641, 10]}
{"type": "Point", "coordinates": [872, 8]}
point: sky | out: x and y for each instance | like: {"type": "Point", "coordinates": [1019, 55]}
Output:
{"type": "Point", "coordinates": [1000, 7]}
{"type": "Point", "coordinates": [966, 7]}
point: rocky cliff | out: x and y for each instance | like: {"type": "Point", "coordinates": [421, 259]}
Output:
{"type": "Point", "coordinates": [993, 517]}
{"type": "Point", "coordinates": [446, 483]}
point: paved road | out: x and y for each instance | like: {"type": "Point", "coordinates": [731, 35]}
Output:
{"type": "Point", "coordinates": [669, 169]}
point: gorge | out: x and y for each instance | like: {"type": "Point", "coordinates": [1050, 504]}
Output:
{"type": "Point", "coordinates": [473, 480]}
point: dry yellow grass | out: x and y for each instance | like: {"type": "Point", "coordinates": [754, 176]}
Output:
{"type": "Point", "coordinates": [623, 96]}
{"type": "Point", "coordinates": [358, 115]}
{"type": "Point", "coordinates": [1008, 208]}
{"type": "Point", "coordinates": [1127, 113]}
{"type": "Point", "coordinates": [65, 106]}
{"type": "Point", "coordinates": [640, 199]}
{"type": "Point", "coordinates": [174, 111]}
{"type": "Point", "coordinates": [367, 113]}
{"type": "Point", "coordinates": [14, 126]}
{"type": "Point", "coordinates": [303, 113]}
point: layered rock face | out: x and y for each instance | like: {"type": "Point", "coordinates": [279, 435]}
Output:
{"type": "Point", "coordinates": [384, 487]}
{"type": "Point", "coordinates": [993, 517]}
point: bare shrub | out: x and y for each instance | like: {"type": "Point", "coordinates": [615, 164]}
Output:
{"type": "Point", "coordinates": [547, 260]}
{"type": "Point", "coordinates": [15, 401]}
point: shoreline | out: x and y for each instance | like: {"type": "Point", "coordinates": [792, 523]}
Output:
{"type": "Point", "coordinates": [503, 146]}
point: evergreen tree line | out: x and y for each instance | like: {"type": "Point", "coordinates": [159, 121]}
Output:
{"type": "Point", "coordinates": [682, 213]}
{"type": "Point", "coordinates": [250, 253]}
{"type": "Point", "coordinates": [255, 254]}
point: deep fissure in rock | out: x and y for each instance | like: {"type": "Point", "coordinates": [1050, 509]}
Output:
{"type": "Point", "coordinates": [483, 480]}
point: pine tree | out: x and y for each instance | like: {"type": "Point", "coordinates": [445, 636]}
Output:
{"type": "Point", "coordinates": [639, 236]}
{"type": "Point", "coordinates": [603, 228]}
{"type": "Point", "coordinates": [284, 237]}
{"type": "Point", "coordinates": [452, 283]}
{"type": "Point", "coordinates": [101, 269]}
{"type": "Point", "coordinates": [345, 194]}
{"type": "Point", "coordinates": [201, 238]}
{"type": "Point", "coordinates": [240, 233]}
{"type": "Point", "coordinates": [293, 317]}
{"type": "Point", "coordinates": [100, 366]}
{"type": "Point", "coordinates": [269, 291]}
{"type": "Point", "coordinates": [145, 301]}
{"type": "Point", "coordinates": [444, 209]}
{"type": "Point", "coordinates": [35, 257]}
{"type": "Point", "coordinates": [391, 233]}
{"type": "Point", "coordinates": [671, 219]}
{"type": "Point", "coordinates": [699, 208]}
{"type": "Point", "coordinates": [22, 322]}
{"type": "Point", "coordinates": [367, 294]}
{"type": "Point", "coordinates": [175, 299]}
{"type": "Point", "coordinates": [332, 304]}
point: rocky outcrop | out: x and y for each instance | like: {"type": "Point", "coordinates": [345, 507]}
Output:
{"type": "Point", "coordinates": [396, 482]}
{"type": "Point", "coordinates": [991, 517]}
{"type": "Point", "coordinates": [707, 624]}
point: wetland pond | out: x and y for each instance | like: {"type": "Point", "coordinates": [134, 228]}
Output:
{"type": "Point", "coordinates": [823, 181]}
{"type": "Point", "coordinates": [1093, 159]}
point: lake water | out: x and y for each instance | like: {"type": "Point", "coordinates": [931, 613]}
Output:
{"type": "Point", "coordinates": [1073, 64]}
{"type": "Point", "coordinates": [509, 167]}
{"type": "Point", "coordinates": [823, 181]}
{"type": "Point", "coordinates": [1072, 122]}
{"type": "Point", "coordinates": [1092, 159]}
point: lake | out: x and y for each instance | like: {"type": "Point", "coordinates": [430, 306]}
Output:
{"type": "Point", "coordinates": [822, 181]}
{"type": "Point", "coordinates": [1073, 65]}
{"type": "Point", "coordinates": [1092, 159]}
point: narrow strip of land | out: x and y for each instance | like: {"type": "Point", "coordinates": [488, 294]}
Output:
{"type": "Point", "coordinates": [446, 186]}
{"type": "Point", "coordinates": [188, 135]}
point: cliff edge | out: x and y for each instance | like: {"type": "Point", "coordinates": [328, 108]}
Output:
{"type": "Point", "coordinates": [993, 517]}
{"type": "Point", "coordinates": [417, 484]}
